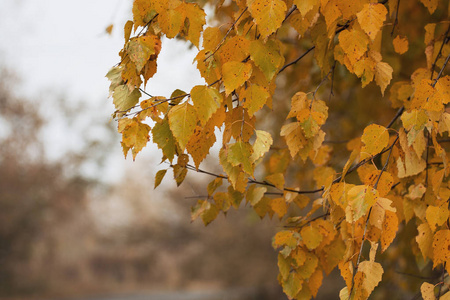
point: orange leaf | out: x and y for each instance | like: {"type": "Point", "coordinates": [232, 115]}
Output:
{"type": "Point", "coordinates": [371, 18]}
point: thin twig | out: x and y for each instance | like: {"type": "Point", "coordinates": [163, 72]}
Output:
{"type": "Point", "coordinates": [396, 18]}
{"type": "Point", "coordinates": [441, 71]}
{"type": "Point", "coordinates": [444, 41]}
{"type": "Point", "coordinates": [296, 60]}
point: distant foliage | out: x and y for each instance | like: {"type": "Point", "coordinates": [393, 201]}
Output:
{"type": "Point", "coordinates": [286, 159]}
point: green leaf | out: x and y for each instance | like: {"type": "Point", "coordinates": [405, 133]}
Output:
{"type": "Point", "coordinates": [182, 121]}
{"type": "Point", "coordinates": [163, 137]}
{"type": "Point", "coordinates": [239, 153]}
{"type": "Point", "coordinates": [267, 57]}
{"type": "Point", "coordinates": [206, 101]}
{"type": "Point", "coordinates": [124, 99]}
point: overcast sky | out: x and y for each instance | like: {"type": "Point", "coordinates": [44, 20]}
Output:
{"type": "Point", "coordinates": [61, 47]}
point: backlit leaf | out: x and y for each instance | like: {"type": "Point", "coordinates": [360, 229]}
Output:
{"type": "Point", "coordinates": [268, 14]}
{"type": "Point", "coordinates": [239, 153]}
{"type": "Point", "coordinates": [182, 121]}
{"type": "Point", "coordinates": [262, 145]}
{"type": "Point", "coordinates": [206, 102]}
{"type": "Point", "coordinates": [267, 57]}
{"type": "Point", "coordinates": [124, 99]}
{"type": "Point", "coordinates": [255, 97]}
{"type": "Point", "coordinates": [235, 74]}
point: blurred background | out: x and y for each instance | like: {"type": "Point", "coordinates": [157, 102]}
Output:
{"type": "Point", "coordinates": [77, 220]}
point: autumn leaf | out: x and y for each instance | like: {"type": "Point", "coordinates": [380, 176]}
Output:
{"type": "Point", "coordinates": [239, 153]}
{"type": "Point", "coordinates": [135, 135]}
{"type": "Point", "coordinates": [267, 57]}
{"type": "Point", "coordinates": [354, 43]}
{"type": "Point", "coordinates": [400, 44]}
{"type": "Point", "coordinates": [255, 97]}
{"type": "Point", "coordinates": [235, 74]}
{"type": "Point", "coordinates": [206, 102]}
{"type": "Point", "coordinates": [182, 121]}
{"type": "Point", "coordinates": [375, 139]}
{"type": "Point", "coordinates": [268, 14]}
{"type": "Point", "coordinates": [371, 18]}
{"type": "Point", "coordinates": [430, 4]}
{"type": "Point", "coordinates": [124, 99]}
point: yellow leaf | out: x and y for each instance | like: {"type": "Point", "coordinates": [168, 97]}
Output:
{"type": "Point", "coordinates": [134, 135]}
{"type": "Point", "coordinates": [400, 44]}
{"type": "Point", "coordinates": [235, 74]}
{"type": "Point", "coordinates": [389, 231]}
{"type": "Point", "coordinates": [255, 97]}
{"type": "Point", "coordinates": [285, 238]}
{"type": "Point", "coordinates": [412, 164]}
{"type": "Point", "coordinates": [238, 124]}
{"type": "Point", "coordinates": [305, 6]}
{"type": "Point", "coordinates": [276, 179]}
{"type": "Point", "coordinates": [311, 236]}
{"type": "Point", "coordinates": [200, 142]}
{"type": "Point", "coordinates": [375, 139]}
{"type": "Point", "coordinates": [235, 49]}
{"type": "Point", "coordinates": [262, 145]}
{"type": "Point", "coordinates": [268, 15]}
{"type": "Point", "coordinates": [279, 206]}
{"type": "Point", "coordinates": [206, 102]}
{"type": "Point", "coordinates": [360, 199]}
{"type": "Point", "coordinates": [211, 38]}
{"type": "Point", "coordinates": [373, 272]}
{"type": "Point", "coordinates": [254, 194]}
{"type": "Point", "coordinates": [383, 75]}
{"type": "Point", "coordinates": [371, 18]}
{"type": "Point", "coordinates": [124, 99]}
{"type": "Point", "coordinates": [414, 119]}
{"type": "Point", "coordinates": [172, 20]}
{"type": "Point", "coordinates": [430, 4]}
{"type": "Point", "coordinates": [196, 17]}
{"type": "Point", "coordinates": [427, 291]}
{"type": "Point", "coordinates": [315, 281]}
{"type": "Point", "coordinates": [332, 14]}
{"type": "Point", "coordinates": [182, 121]}
{"type": "Point", "coordinates": [441, 246]}
{"type": "Point", "coordinates": [354, 43]}
{"type": "Point", "coordinates": [309, 267]}
{"type": "Point", "coordinates": [425, 240]}
{"type": "Point", "coordinates": [295, 139]}
{"type": "Point", "coordinates": [437, 215]}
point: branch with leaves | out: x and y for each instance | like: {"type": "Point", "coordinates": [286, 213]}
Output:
{"type": "Point", "coordinates": [268, 126]}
